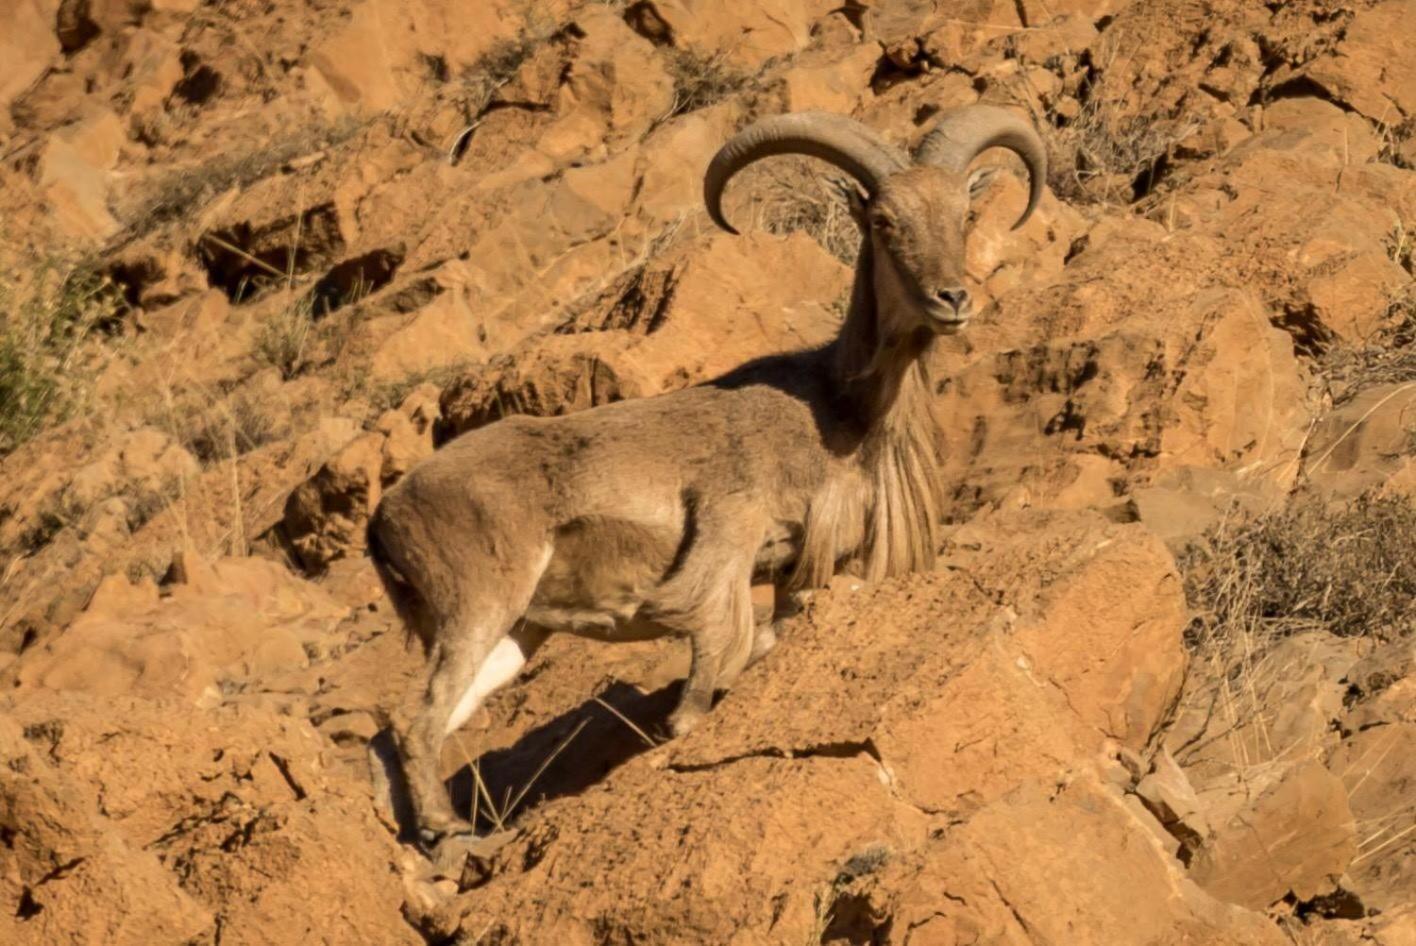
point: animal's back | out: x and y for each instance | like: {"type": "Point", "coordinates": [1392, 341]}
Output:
{"type": "Point", "coordinates": [742, 433]}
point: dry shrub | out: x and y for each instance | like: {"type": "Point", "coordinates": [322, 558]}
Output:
{"type": "Point", "coordinates": [132, 501]}
{"type": "Point", "coordinates": [1100, 151]}
{"type": "Point", "coordinates": [59, 512]}
{"type": "Point", "coordinates": [46, 337]}
{"type": "Point", "coordinates": [1390, 356]}
{"type": "Point", "coordinates": [1310, 569]}
{"type": "Point", "coordinates": [475, 91]}
{"type": "Point", "coordinates": [498, 66]}
{"type": "Point", "coordinates": [386, 395]}
{"type": "Point", "coordinates": [172, 194]}
{"type": "Point", "coordinates": [793, 194]}
{"type": "Point", "coordinates": [500, 63]}
{"type": "Point", "coordinates": [1349, 571]}
{"type": "Point", "coordinates": [1103, 156]}
{"type": "Point", "coordinates": [145, 500]}
{"type": "Point", "coordinates": [1401, 247]}
{"type": "Point", "coordinates": [701, 80]}
{"type": "Point", "coordinates": [142, 500]}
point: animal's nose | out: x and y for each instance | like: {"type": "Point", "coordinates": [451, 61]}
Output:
{"type": "Point", "coordinates": [958, 298]}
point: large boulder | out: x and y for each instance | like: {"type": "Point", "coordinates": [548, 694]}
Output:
{"type": "Point", "coordinates": [67, 874]}
{"type": "Point", "coordinates": [1295, 839]}
{"type": "Point", "coordinates": [1367, 70]}
{"type": "Point", "coordinates": [1015, 874]}
{"type": "Point", "coordinates": [28, 46]}
{"type": "Point", "coordinates": [75, 171]}
{"type": "Point", "coordinates": [220, 623]}
{"type": "Point", "coordinates": [376, 57]}
{"type": "Point", "coordinates": [747, 34]}
{"type": "Point", "coordinates": [326, 516]}
{"type": "Point", "coordinates": [1369, 443]}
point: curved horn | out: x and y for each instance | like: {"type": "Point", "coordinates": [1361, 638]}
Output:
{"type": "Point", "coordinates": [839, 140]}
{"type": "Point", "coordinates": [963, 135]}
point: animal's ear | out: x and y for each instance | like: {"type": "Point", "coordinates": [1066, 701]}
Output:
{"type": "Point", "coordinates": [980, 180]}
{"type": "Point", "coordinates": [854, 197]}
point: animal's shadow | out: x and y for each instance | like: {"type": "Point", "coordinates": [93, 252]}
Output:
{"type": "Point", "coordinates": [563, 756]}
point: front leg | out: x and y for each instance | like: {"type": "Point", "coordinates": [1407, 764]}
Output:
{"type": "Point", "coordinates": [709, 600]}
{"type": "Point", "coordinates": [698, 689]}
{"type": "Point", "coordinates": [764, 638]}
{"type": "Point", "coordinates": [723, 644]}
{"type": "Point", "coordinates": [466, 669]}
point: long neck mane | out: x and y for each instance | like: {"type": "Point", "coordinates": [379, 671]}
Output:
{"type": "Point", "coordinates": [894, 506]}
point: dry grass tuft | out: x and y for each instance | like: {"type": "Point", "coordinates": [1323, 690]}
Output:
{"type": "Point", "coordinates": [215, 428]}
{"type": "Point", "coordinates": [1350, 571]}
{"type": "Point", "coordinates": [1398, 143]}
{"type": "Point", "coordinates": [46, 332]}
{"type": "Point", "coordinates": [284, 337]}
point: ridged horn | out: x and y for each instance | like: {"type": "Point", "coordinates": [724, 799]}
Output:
{"type": "Point", "coordinates": [836, 139]}
{"type": "Point", "coordinates": [963, 135]}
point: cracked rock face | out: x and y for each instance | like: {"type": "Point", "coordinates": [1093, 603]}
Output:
{"type": "Point", "coordinates": [926, 714]}
{"type": "Point", "coordinates": [126, 820]}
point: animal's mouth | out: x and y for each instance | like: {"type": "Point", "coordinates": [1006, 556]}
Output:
{"type": "Point", "coordinates": [946, 319]}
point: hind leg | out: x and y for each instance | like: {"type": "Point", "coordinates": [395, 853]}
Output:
{"type": "Point", "coordinates": [500, 668]}
{"type": "Point", "coordinates": [453, 664]}
{"type": "Point", "coordinates": [469, 658]}
{"type": "Point", "coordinates": [458, 682]}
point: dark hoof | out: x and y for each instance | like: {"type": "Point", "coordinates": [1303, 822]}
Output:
{"type": "Point", "coordinates": [428, 839]}
{"type": "Point", "coordinates": [466, 857]}
{"type": "Point", "coordinates": [430, 836]}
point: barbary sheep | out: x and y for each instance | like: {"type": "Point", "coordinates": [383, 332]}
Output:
{"type": "Point", "coordinates": [653, 517]}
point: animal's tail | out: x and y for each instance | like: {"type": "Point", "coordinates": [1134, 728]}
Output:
{"type": "Point", "coordinates": [412, 610]}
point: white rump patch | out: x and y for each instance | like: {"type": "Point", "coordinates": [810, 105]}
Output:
{"type": "Point", "coordinates": [500, 668]}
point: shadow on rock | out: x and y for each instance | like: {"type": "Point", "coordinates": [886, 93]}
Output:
{"type": "Point", "coordinates": [562, 757]}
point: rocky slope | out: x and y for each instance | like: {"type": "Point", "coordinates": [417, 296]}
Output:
{"type": "Point", "coordinates": [260, 258]}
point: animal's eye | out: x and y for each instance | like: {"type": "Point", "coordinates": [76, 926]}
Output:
{"type": "Point", "coordinates": [882, 223]}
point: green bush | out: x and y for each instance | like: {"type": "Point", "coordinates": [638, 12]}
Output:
{"type": "Point", "coordinates": [44, 331]}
